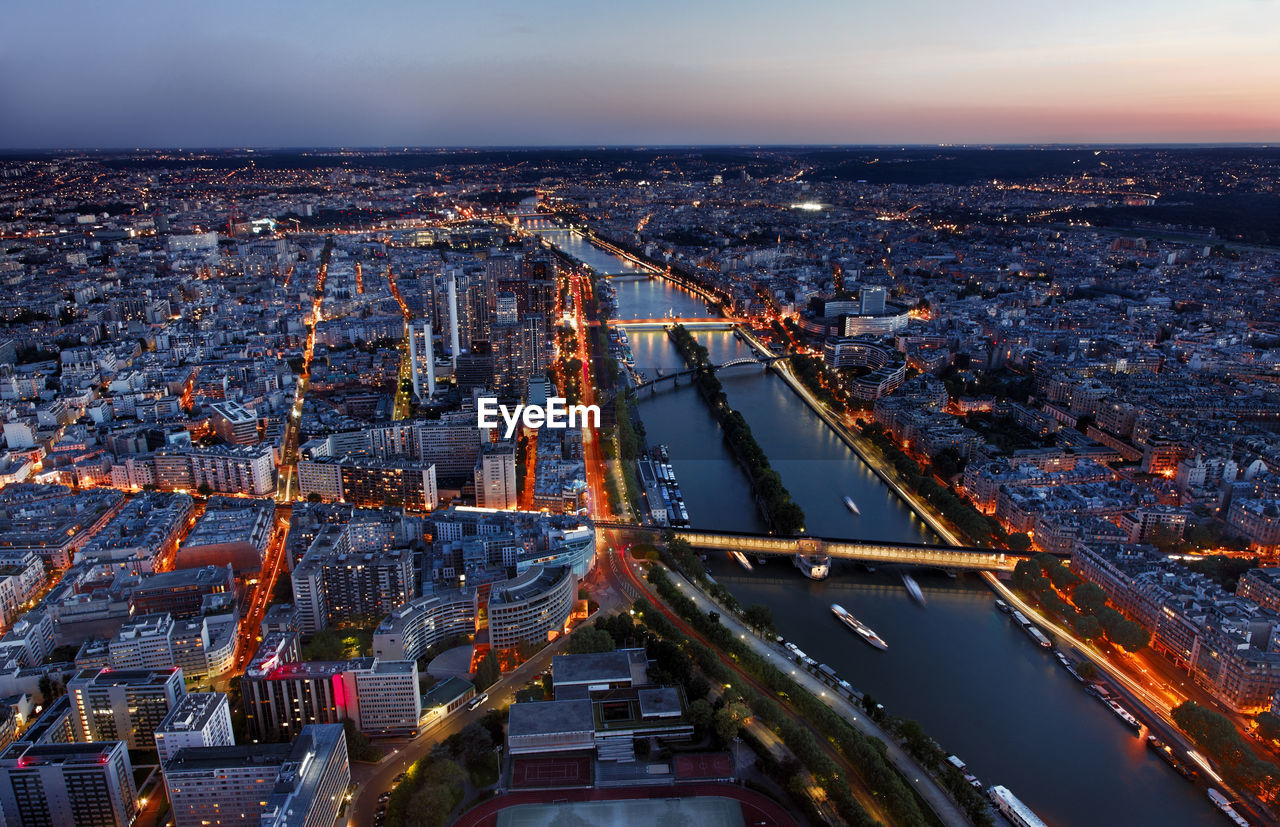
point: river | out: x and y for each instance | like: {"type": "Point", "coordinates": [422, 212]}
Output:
{"type": "Point", "coordinates": [969, 675]}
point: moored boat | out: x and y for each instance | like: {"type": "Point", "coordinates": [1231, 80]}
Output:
{"type": "Point", "coordinates": [1224, 804]}
{"type": "Point", "coordinates": [1012, 808]}
{"type": "Point", "coordinates": [1171, 758]}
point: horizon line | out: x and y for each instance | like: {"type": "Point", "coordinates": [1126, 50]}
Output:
{"type": "Point", "coordinates": [410, 148]}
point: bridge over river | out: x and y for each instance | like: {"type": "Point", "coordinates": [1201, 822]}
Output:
{"type": "Point", "coordinates": [954, 558]}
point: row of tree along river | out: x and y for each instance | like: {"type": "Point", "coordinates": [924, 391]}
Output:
{"type": "Point", "coordinates": [973, 679]}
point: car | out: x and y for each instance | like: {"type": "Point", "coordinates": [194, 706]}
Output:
{"type": "Point", "coordinates": [399, 778]}
{"type": "Point", "coordinates": [382, 799]}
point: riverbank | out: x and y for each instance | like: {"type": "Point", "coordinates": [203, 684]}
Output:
{"type": "Point", "coordinates": [909, 498]}
{"type": "Point", "coordinates": [894, 792]}
{"type": "Point", "coordinates": [773, 499]}
{"type": "Point", "coordinates": [843, 702]}
{"type": "Point", "coordinates": [970, 677]}
{"type": "Point", "coordinates": [1146, 703]}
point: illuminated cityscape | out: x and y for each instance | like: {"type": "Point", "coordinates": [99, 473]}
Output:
{"type": "Point", "coordinates": [660, 466]}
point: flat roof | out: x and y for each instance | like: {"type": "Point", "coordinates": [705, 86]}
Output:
{"type": "Point", "coordinates": [192, 759]}
{"type": "Point", "coordinates": [192, 712]}
{"type": "Point", "coordinates": [550, 718]}
{"type": "Point", "coordinates": [596, 667]}
{"type": "Point", "coordinates": [386, 667]}
{"type": "Point", "coordinates": [125, 677]}
{"type": "Point", "coordinates": [180, 578]}
{"type": "Point", "coordinates": [659, 702]}
{"type": "Point", "coordinates": [447, 691]}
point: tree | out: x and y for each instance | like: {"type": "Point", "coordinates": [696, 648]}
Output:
{"type": "Point", "coordinates": [947, 463]}
{"type": "Point", "coordinates": [440, 792]}
{"type": "Point", "coordinates": [1268, 726]}
{"type": "Point", "coordinates": [1087, 670]}
{"type": "Point", "coordinates": [204, 489]}
{"type": "Point", "coordinates": [1087, 626]}
{"type": "Point", "coordinates": [1131, 636]}
{"type": "Point", "coordinates": [914, 737]}
{"type": "Point", "coordinates": [283, 592]}
{"type": "Point", "coordinates": [50, 690]}
{"type": "Point", "coordinates": [487, 671]}
{"type": "Point", "coordinates": [473, 747]}
{"type": "Point", "coordinates": [726, 728]}
{"type": "Point", "coordinates": [314, 497]}
{"type": "Point", "coordinates": [1019, 541]}
{"type": "Point", "coordinates": [701, 715]}
{"type": "Point", "coordinates": [759, 617]}
{"type": "Point", "coordinates": [359, 748]}
{"type": "Point", "coordinates": [494, 720]}
{"type": "Point", "coordinates": [1089, 597]}
{"type": "Point", "coordinates": [325, 644]}
{"type": "Point", "coordinates": [1216, 735]}
{"type": "Point", "coordinates": [590, 639]}
{"type": "Point", "coordinates": [697, 687]}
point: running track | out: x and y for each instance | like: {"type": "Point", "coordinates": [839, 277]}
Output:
{"type": "Point", "coordinates": [756, 809]}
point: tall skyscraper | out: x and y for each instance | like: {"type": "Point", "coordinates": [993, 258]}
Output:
{"type": "Point", "coordinates": [453, 316]}
{"type": "Point", "coordinates": [872, 301]}
{"type": "Point", "coordinates": [422, 364]}
{"type": "Point", "coordinates": [519, 353]}
{"type": "Point", "coordinates": [508, 309]}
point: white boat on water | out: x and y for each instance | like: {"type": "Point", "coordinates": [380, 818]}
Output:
{"type": "Point", "coordinates": [852, 506]}
{"type": "Point", "coordinates": [1225, 806]}
{"type": "Point", "coordinates": [741, 560]}
{"type": "Point", "coordinates": [1012, 808]}
{"type": "Point", "coordinates": [813, 566]}
{"type": "Point", "coordinates": [864, 631]}
{"type": "Point", "coordinates": [913, 588]}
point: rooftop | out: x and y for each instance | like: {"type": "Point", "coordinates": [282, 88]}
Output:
{"type": "Point", "coordinates": [550, 718]}
{"type": "Point", "coordinates": [598, 667]}
{"type": "Point", "coordinates": [446, 692]}
{"type": "Point", "coordinates": [242, 756]}
{"type": "Point", "coordinates": [193, 711]}
{"type": "Point", "coordinates": [527, 585]}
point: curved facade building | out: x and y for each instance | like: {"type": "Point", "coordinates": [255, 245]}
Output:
{"type": "Point", "coordinates": [892, 319]}
{"type": "Point", "coordinates": [409, 631]}
{"type": "Point", "coordinates": [887, 372]}
{"type": "Point", "coordinates": [531, 606]}
{"type": "Point", "coordinates": [575, 548]}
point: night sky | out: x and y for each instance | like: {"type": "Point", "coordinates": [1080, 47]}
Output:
{"type": "Point", "coordinates": [562, 72]}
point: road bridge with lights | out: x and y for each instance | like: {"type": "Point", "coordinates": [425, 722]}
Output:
{"type": "Point", "coordinates": [952, 558]}
{"type": "Point", "coordinates": [700, 323]}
